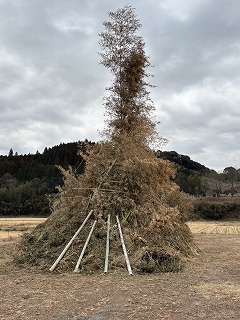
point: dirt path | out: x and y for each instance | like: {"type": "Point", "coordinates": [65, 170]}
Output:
{"type": "Point", "coordinates": [208, 288]}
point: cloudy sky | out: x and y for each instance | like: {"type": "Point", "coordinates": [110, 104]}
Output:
{"type": "Point", "coordinates": [52, 86]}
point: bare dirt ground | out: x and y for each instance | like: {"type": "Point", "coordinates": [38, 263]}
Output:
{"type": "Point", "coordinates": [208, 288]}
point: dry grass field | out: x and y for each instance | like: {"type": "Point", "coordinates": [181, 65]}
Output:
{"type": "Point", "coordinates": [208, 287]}
{"type": "Point", "coordinates": [12, 227]}
{"type": "Point", "coordinates": [213, 227]}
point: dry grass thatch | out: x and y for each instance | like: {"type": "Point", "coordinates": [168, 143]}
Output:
{"type": "Point", "coordinates": [123, 178]}
{"type": "Point", "coordinates": [136, 186]}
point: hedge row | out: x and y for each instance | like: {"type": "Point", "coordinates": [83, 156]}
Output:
{"type": "Point", "coordinates": [216, 211]}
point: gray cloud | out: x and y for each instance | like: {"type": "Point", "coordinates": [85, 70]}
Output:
{"type": "Point", "coordinates": [52, 85]}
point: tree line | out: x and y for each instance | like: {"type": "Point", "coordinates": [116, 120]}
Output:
{"type": "Point", "coordinates": [198, 180]}
{"type": "Point", "coordinates": [28, 182]}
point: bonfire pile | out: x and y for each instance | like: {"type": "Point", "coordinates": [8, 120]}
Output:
{"type": "Point", "coordinates": [123, 178]}
{"type": "Point", "coordinates": [118, 180]}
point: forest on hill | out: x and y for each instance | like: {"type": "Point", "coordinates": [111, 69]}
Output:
{"type": "Point", "coordinates": [29, 182]}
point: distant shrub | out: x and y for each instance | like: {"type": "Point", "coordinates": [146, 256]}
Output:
{"type": "Point", "coordinates": [216, 211]}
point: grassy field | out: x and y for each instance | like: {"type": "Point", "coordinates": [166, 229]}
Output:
{"type": "Point", "coordinates": [215, 227]}
{"type": "Point", "coordinates": [12, 227]}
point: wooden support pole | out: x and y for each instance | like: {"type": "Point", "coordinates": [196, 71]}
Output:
{"type": "Point", "coordinates": [107, 245]}
{"type": "Point", "coordinates": [70, 242]}
{"type": "Point", "coordinates": [124, 247]}
{"type": "Point", "coordinates": [84, 247]}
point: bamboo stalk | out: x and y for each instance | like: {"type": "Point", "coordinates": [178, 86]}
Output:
{"type": "Point", "coordinates": [70, 242]}
{"type": "Point", "coordinates": [107, 245]}
{"type": "Point", "coordinates": [124, 247]}
{"type": "Point", "coordinates": [84, 247]}
{"type": "Point", "coordinates": [101, 183]}
{"type": "Point", "coordinates": [107, 173]}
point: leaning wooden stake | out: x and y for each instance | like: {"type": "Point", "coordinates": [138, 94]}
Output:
{"type": "Point", "coordinates": [107, 245]}
{"type": "Point", "coordinates": [70, 242]}
{"type": "Point", "coordinates": [84, 247]}
{"type": "Point", "coordinates": [124, 247]}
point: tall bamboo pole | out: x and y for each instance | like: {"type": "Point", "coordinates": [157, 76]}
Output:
{"type": "Point", "coordinates": [84, 247]}
{"type": "Point", "coordinates": [124, 247]}
{"type": "Point", "coordinates": [107, 245]}
{"type": "Point", "coordinates": [70, 242]}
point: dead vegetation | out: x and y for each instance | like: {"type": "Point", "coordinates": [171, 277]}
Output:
{"type": "Point", "coordinates": [139, 191]}
{"type": "Point", "coordinates": [213, 227]}
{"type": "Point", "coordinates": [13, 227]}
{"type": "Point", "coordinates": [20, 223]}
{"type": "Point", "coordinates": [123, 178]}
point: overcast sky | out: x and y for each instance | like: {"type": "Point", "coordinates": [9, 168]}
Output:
{"type": "Point", "coordinates": [52, 86]}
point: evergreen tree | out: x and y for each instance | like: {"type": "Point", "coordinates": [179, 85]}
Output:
{"type": "Point", "coordinates": [10, 154]}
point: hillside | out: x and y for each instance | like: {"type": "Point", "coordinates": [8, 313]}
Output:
{"type": "Point", "coordinates": [184, 161]}
{"type": "Point", "coordinates": [28, 182]}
